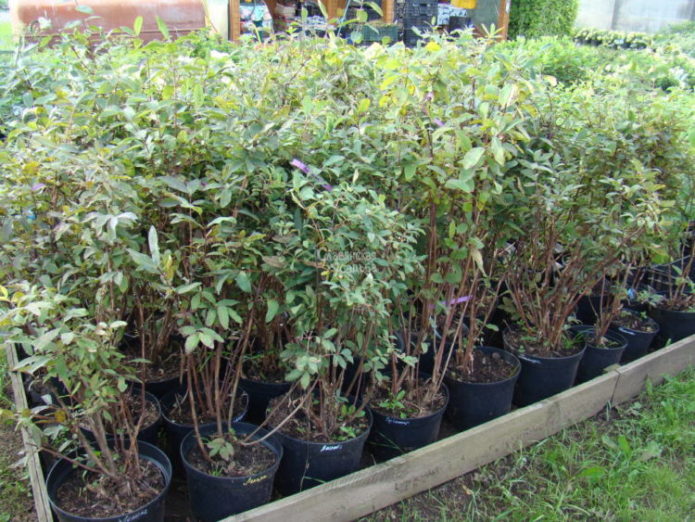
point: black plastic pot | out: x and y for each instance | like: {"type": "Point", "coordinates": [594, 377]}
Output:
{"type": "Point", "coordinates": [674, 325]}
{"type": "Point", "coordinates": [260, 394]}
{"type": "Point", "coordinates": [472, 403]}
{"type": "Point", "coordinates": [589, 307]}
{"type": "Point", "coordinates": [542, 377]}
{"type": "Point", "coordinates": [597, 358]}
{"type": "Point", "coordinates": [307, 464]}
{"type": "Point", "coordinates": [213, 497]}
{"type": "Point", "coordinates": [638, 342]}
{"type": "Point", "coordinates": [176, 432]}
{"type": "Point", "coordinates": [391, 436]}
{"type": "Point", "coordinates": [150, 433]}
{"type": "Point", "coordinates": [153, 511]}
{"type": "Point", "coordinates": [160, 388]}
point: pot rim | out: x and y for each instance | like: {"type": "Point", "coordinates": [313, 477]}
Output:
{"type": "Point", "coordinates": [517, 369]}
{"type": "Point", "coordinates": [268, 443]}
{"type": "Point", "coordinates": [161, 461]}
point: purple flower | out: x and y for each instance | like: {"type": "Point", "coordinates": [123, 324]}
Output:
{"type": "Point", "coordinates": [301, 166]}
{"type": "Point", "coordinates": [430, 96]}
{"type": "Point", "coordinates": [438, 122]}
{"type": "Point", "coordinates": [459, 300]}
{"type": "Point", "coordinates": [37, 186]}
{"type": "Point", "coordinates": [327, 187]}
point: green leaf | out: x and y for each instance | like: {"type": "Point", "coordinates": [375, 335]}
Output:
{"type": "Point", "coordinates": [273, 307]}
{"type": "Point", "coordinates": [153, 242]}
{"type": "Point", "coordinates": [244, 282]}
{"type": "Point", "coordinates": [191, 343]}
{"type": "Point", "coordinates": [184, 289]}
{"type": "Point", "coordinates": [409, 171]}
{"type": "Point", "coordinates": [464, 185]}
{"type": "Point", "coordinates": [223, 317]}
{"type": "Point", "coordinates": [472, 157]}
{"type": "Point", "coordinates": [163, 28]}
{"type": "Point", "coordinates": [137, 25]}
{"type": "Point", "coordinates": [85, 9]}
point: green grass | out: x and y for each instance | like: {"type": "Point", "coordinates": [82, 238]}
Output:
{"type": "Point", "coordinates": [16, 503]}
{"type": "Point", "coordinates": [634, 462]}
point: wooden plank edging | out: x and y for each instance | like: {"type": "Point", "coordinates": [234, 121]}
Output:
{"type": "Point", "coordinates": [36, 477]}
{"type": "Point", "coordinates": [669, 360]}
{"type": "Point", "coordinates": [378, 486]}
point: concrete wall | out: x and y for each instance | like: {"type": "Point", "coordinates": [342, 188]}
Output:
{"type": "Point", "coordinates": [634, 15]}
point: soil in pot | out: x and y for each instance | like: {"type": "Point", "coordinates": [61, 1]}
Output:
{"type": "Point", "coordinates": [152, 414]}
{"type": "Point", "coordinates": [599, 354]}
{"type": "Point", "coordinates": [409, 426]}
{"type": "Point", "coordinates": [159, 378]}
{"type": "Point", "coordinates": [486, 391]}
{"type": "Point", "coordinates": [78, 496]}
{"type": "Point", "coordinates": [178, 419]}
{"type": "Point", "coordinates": [220, 488]}
{"type": "Point", "coordinates": [309, 458]}
{"type": "Point", "coordinates": [262, 385]}
{"type": "Point", "coordinates": [639, 331]}
{"type": "Point", "coordinates": [543, 373]}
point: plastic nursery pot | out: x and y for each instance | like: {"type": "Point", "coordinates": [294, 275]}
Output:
{"type": "Point", "coordinates": [638, 342]}
{"type": "Point", "coordinates": [147, 433]}
{"type": "Point", "coordinates": [588, 308]}
{"type": "Point", "coordinates": [260, 394]}
{"type": "Point", "coordinates": [153, 511]}
{"type": "Point", "coordinates": [392, 436]}
{"type": "Point", "coordinates": [160, 388]}
{"type": "Point", "coordinates": [177, 431]}
{"type": "Point", "coordinates": [674, 325]}
{"type": "Point", "coordinates": [473, 403]}
{"type": "Point", "coordinates": [542, 377]}
{"type": "Point", "coordinates": [215, 497]}
{"type": "Point", "coordinates": [597, 358]}
{"type": "Point", "coordinates": [307, 464]}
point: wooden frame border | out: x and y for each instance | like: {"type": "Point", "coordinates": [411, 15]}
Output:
{"type": "Point", "coordinates": [378, 486]}
{"type": "Point", "coordinates": [36, 477]}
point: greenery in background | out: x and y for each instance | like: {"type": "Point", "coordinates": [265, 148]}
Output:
{"type": "Point", "coordinates": [534, 18]}
{"type": "Point", "coordinates": [631, 462]}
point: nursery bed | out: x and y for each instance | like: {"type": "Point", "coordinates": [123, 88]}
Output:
{"type": "Point", "coordinates": [378, 486]}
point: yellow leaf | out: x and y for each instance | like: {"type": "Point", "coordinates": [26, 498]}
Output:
{"type": "Point", "coordinates": [432, 46]}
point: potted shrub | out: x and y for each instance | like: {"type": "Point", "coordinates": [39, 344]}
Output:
{"type": "Point", "coordinates": [107, 475]}
{"type": "Point", "coordinates": [458, 172]}
{"type": "Point", "coordinates": [579, 216]}
{"type": "Point", "coordinates": [340, 276]}
{"type": "Point", "coordinates": [675, 311]}
{"type": "Point", "coordinates": [230, 466]}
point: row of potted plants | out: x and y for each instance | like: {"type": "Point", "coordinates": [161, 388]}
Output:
{"type": "Point", "coordinates": [348, 225]}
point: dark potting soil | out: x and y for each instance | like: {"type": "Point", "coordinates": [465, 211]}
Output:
{"type": "Point", "coordinates": [133, 403]}
{"type": "Point", "coordinates": [412, 406]}
{"type": "Point", "coordinates": [485, 369]}
{"type": "Point", "coordinates": [96, 496]}
{"type": "Point", "coordinates": [255, 371]}
{"type": "Point", "coordinates": [155, 371]}
{"type": "Point", "coordinates": [635, 322]}
{"type": "Point", "coordinates": [300, 426]}
{"type": "Point", "coordinates": [603, 342]}
{"type": "Point", "coordinates": [516, 340]}
{"type": "Point", "coordinates": [180, 413]}
{"type": "Point", "coordinates": [247, 460]}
